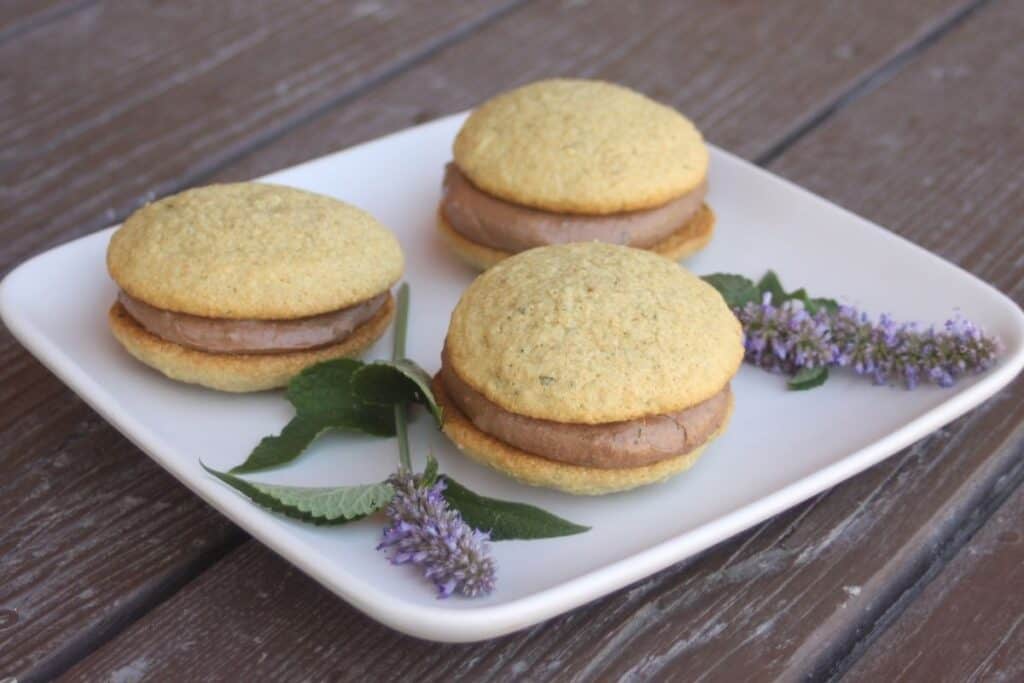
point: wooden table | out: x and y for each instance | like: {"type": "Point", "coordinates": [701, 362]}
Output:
{"type": "Point", "coordinates": [908, 113]}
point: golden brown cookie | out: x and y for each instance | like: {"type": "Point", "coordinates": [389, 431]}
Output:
{"type": "Point", "coordinates": [238, 372]}
{"type": "Point", "coordinates": [591, 333]}
{"type": "Point", "coordinates": [239, 287]}
{"type": "Point", "coordinates": [580, 146]}
{"type": "Point", "coordinates": [253, 251]}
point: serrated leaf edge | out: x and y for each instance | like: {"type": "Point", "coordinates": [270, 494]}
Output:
{"type": "Point", "coordinates": [246, 468]}
{"type": "Point", "coordinates": [258, 494]}
{"type": "Point", "coordinates": [363, 503]}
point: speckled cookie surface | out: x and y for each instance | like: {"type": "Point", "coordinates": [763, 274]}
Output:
{"type": "Point", "coordinates": [537, 471]}
{"type": "Point", "coordinates": [237, 372]}
{"type": "Point", "coordinates": [580, 146]}
{"type": "Point", "coordinates": [593, 333]}
{"type": "Point", "coordinates": [687, 241]}
{"type": "Point", "coordinates": [253, 251]}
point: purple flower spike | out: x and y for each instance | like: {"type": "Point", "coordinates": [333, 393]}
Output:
{"type": "Point", "coordinates": [786, 339]}
{"type": "Point", "coordinates": [426, 532]}
{"type": "Point", "coordinates": [893, 353]}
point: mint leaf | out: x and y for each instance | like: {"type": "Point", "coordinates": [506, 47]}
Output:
{"type": "Point", "coordinates": [398, 381]}
{"type": "Point", "coordinates": [808, 378]}
{"type": "Point", "coordinates": [504, 519]}
{"type": "Point", "coordinates": [737, 290]}
{"type": "Point", "coordinates": [272, 451]}
{"type": "Point", "coordinates": [771, 284]}
{"type": "Point", "coordinates": [815, 305]}
{"type": "Point", "coordinates": [323, 399]}
{"type": "Point", "coordinates": [811, 304]}
{"type": "Point", "coordinates": [313, 504]}
{"type": "Point", "coordinates": [323, 392]}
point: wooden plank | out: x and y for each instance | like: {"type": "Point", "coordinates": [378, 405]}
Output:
{"type": "Point", "coordinates": [91, 532]}
{"type": "Point", "coordinates": [786, 600]}
{"type": "Point", "coordinates": [131, 100]}
{"type": "Point", "coordinates": [749, 73]}
{"type": "Point", "coordinates": [968, 625]}
{"type": "Point", "coordinates": [99, 531]}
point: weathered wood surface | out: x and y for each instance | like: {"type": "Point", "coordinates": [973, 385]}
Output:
{"type": "Point", "coordinates": [750, 74]}
{"type": "Point", "coordinates": [135, 100]}
{"type": "Point", "coordinates": [966, 625]}
{"type": "Point", "coordinates": [131, 98]}
{"type": "Point", "coordinates": [19, 16]}
{"type": "Point", "coordinates": [791, 598]}
{"type": "Point", "coordinates": [518, 41]}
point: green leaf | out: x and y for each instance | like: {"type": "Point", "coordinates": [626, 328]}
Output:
{"type": "Point", "coordinates": [808, 378]}
{"type": "Point", "coordinates": [504, 519]}
{"type": "Point", "coordinates": [391, 382]}
{"type": "Point", "coordinates": [430, 471]}
{"type": "Point", "coordinates": [798, 294]}
{"type": "Point", "coordinates": [313, 504]}
{"type": "Point", "coordinates": [323, 399]}
{"type": "Point", "coordinates": [324, 392]}
{"type": "Point", "coordinates": [770, 283]}
{"type": "Point", "coordinates": [815, 305]}
{"type": "Point", "coordinates": [737, 290]}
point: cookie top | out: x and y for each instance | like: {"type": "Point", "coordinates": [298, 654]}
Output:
{"type": "Point", "coordinates": [579, 146]}
{"type": "Point", "coordinates": [253, 251]}
{"type": "Point", "coordinates": [591, 333]}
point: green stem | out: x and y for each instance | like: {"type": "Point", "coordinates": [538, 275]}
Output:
{"type": "Point", "coordinates": [398, 353]}
{"type": "Point", "coordinates": [405, 461]}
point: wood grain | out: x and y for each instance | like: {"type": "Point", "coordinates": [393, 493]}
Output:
{"type": "Point", "coordinates": [787, 600]}
{"type": "Point", "coordinates": [968, 625]}
{"type": "Point", "coordinates": [92, 533]}
{"type": "Point", "coordinates": [69, 120]}
{"type": "Point", "coordinates": [131, 96]}
{"type": "Point", "coordinates": [19, 16]}
{"type": "Point", "coordinates": [747, 73]}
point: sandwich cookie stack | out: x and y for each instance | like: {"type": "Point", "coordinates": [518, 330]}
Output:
{"type": "Point", "coordinates": [566, 160]}
{"type": "Point", "coordinates": [239, 287]}
{"type": "Point", "coordinates": [589, 368]}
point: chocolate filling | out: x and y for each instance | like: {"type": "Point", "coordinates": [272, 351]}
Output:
{"type": "Point", "coordinates": [499, 224]}
{"type": "Point", "coordinates": [219, 335]}
{"type": "Point", "coordinates": [613, 445]}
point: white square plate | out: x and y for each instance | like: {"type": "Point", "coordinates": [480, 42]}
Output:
{"type": "Point", "coordinates": [781, 448]}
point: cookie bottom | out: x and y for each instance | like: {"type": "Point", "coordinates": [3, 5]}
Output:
{"type": "Point", "coordinates": [242, 372]}
{"type": "Point", "coordinates": [688, 240]}
{"type": "Point", "coordinates": [537, 471]}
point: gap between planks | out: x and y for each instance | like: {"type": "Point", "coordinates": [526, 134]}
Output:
{"type": "Point", "coordinates": [870, 81]}
{"type": "Point", "coordinates": [90, 640]}
{"type": "Point", "coordinates": [985, 504]}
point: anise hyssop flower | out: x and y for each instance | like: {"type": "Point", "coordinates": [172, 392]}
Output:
{"type": "Point", "coordinates": [426, 532]}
